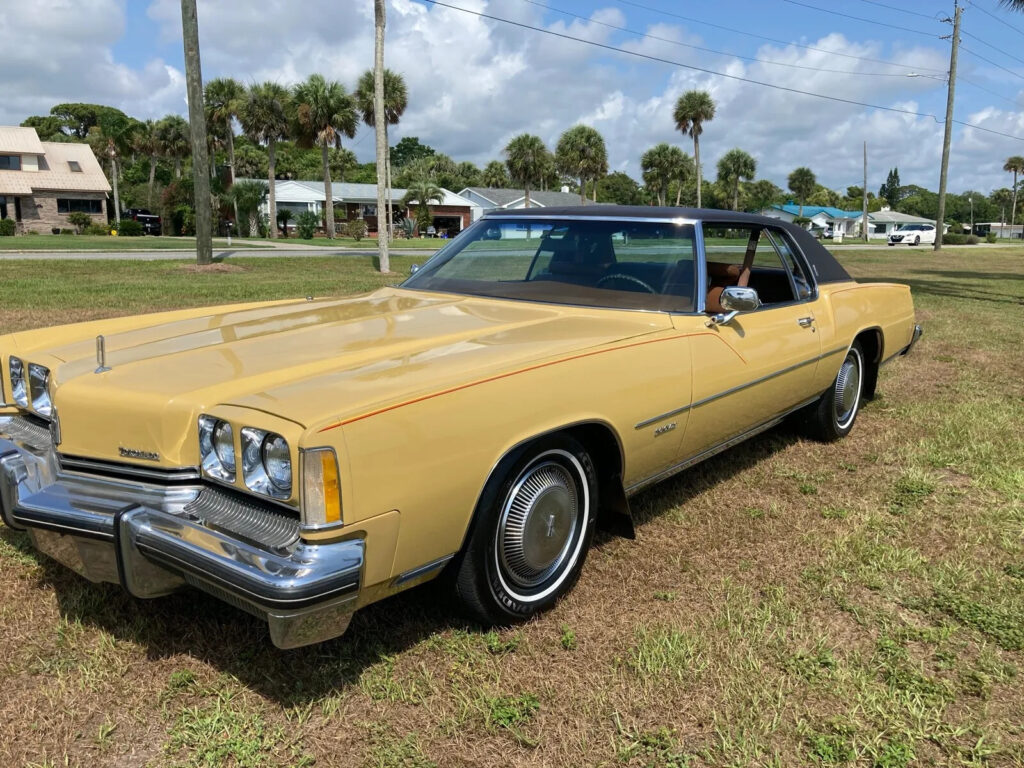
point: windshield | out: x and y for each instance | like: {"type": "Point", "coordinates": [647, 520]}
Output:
{"type": "Point", "coordinates": [623, 264]}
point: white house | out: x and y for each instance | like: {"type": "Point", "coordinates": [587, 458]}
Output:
{"type": "Point", "coordinates": [492, 198]}
{"type": "Point", "coordinates": [823, 218]}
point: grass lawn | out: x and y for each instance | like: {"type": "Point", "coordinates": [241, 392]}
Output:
{"type": "Point", "coordinates": [785, 603]}
{"type": "Point", "coordinates": [105, 243]}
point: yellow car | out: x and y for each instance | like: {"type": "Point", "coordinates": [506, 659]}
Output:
{"type": "Point", "coordinates": [300, 459]}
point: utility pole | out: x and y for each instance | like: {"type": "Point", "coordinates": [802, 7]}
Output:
{"type": "Point", "coordinates": [948, 133]}
{"type": "Point", "coordinates": [864, 202]}
{"type": "Point", "coordinates": [197, 123]}
{"type": "Point", "coordinates": [380, 129]}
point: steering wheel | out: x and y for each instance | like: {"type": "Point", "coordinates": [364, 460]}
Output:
{"type": "Point", "coordinates": [626, 278]}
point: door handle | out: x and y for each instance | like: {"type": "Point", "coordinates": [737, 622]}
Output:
{"type": "Point", "coordinates": [806, 322]}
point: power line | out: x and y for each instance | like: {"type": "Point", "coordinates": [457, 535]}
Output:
{"type": "Point", "coordinates": [997, 18]}
{"type": "Point", "coordinates": [989, 61]}
{"type": "Point", "coordinates": [769, 39]}
{"type": "Point", "coordinates": [989, 45]}
{"type": "Point", "coordinates": [860, 18]}
{"type": "Point", "coordinates": [705, 70]}
{"type": "Point", "coordinates": [901, 10]}
{"type": "Point", "coordinates": [710, 50]}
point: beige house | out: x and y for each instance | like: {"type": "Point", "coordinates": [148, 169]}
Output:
{"type": "Point", "coordinates": [41, 182]}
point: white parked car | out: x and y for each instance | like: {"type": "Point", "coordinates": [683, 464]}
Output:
{"type": "Point", "coordinates": [913, 234]}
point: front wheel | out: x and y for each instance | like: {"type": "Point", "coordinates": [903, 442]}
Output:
{"type": "Point", "coordinates": [832, 416]}
{"type": "Point", "coordinates": [917, 240]}
{"type": "Point", "coordinates": [531, 533]}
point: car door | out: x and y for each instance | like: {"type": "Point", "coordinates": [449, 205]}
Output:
{"type": "Point", "coordinates": [761, 364]}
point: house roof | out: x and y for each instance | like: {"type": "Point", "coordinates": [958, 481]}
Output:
{"type": "Point", "coordinates": [502, 198]}
{"type": "Point", "coordinates": [897, 217]}
{"type": "Point", "coordinates": [299, 191]}
{"type": "Point", "coordinates": [58, 174]}
{"type": "Point", "coordinates": [810, 211]}
{"type": "Point", "coordinates": [21, 141]}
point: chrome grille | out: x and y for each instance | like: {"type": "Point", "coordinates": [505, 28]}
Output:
{"type": "Point", "coordinates": [248, 520]}
{"type": "Point", "coordinates": [224, 595]}
{"type": "Point", "coordinates": [129, 471]}
{"type": "Point", "coordinates": [20, 428]}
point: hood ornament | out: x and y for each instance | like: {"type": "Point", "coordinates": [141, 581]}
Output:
{"type": "Point", "coordinates": [101, 355]}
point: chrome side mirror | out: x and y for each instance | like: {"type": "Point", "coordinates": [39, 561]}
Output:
{"type": "Point", "coordinates": [414, 269]}
{"type": "Point", "coordinates": [735, 299]}
{"type": "Point", "coordinates": [739, 299]}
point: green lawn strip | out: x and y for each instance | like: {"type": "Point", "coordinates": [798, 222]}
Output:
{"type": "Point", "coordinates": [106, 243]}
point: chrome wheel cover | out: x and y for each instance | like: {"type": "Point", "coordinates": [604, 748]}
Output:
{"type": "Point", "coordinates": [847, 392]}
{"type": "Point", "coordinates": [539, 523]}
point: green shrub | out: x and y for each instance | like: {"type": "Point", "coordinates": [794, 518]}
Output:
{"type": "Point", "coordinates": [972, 240]}
{"type": "Point", "coordinates": [68, 232]}
{"type": "Point", "coordinates": [97, 229]}
{"type": "Point", "coordinates": [954, 239]}
{"type": "Point", "coordinates": [7, 227]}
{"type": "Point", "coordinates": [130, 228]}
{"type": "Point", "coordinates": [306, 223]}
{"type": "Point", "coordinates": [990, 237]}
{"type": "Point", "coordinates": [79, 220]}
{"type": "Point", "coordinates": [356, 229]}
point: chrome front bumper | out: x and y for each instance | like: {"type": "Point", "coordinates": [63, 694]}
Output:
{"type": "Point", "coordinates": [154, 538]}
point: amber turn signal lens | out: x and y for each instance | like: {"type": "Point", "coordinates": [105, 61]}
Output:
{"type": "Point", "coordinates": [321, 488]}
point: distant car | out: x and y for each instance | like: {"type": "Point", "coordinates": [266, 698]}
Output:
{"type": "Point", "coordinates": [150, 221]}
{"type": "Point", "coordinates": [913, 234]}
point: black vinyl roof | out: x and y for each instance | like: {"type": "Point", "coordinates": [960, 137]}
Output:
{"type": "Point", "coordinates": [825, 266]}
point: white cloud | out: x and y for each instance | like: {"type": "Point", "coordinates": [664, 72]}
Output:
{"type": "Point", "coordinates": [474, 83]}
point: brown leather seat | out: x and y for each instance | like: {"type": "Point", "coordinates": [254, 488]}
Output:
{"type": "Point", "coordinates": [720, 276]}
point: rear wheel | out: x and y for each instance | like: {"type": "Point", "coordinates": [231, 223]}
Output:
{"type": "Point", "coordinates": [531, 534]}
{"type": "Point", "coordinates": [833, 415]}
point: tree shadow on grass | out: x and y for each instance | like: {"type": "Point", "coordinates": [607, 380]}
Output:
{"type": "Point", "coordinates": [953, 289]}
{"type": "Point", "coordinates": [194, 624]}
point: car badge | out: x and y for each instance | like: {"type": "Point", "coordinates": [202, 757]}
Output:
{"type": "Point", "coordinates": [134, 453]}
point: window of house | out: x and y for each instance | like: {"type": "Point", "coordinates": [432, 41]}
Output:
{"type": "Point", "coordinates": [75, 166]}
{"type": "Point", "coordinates": [10, 162]}
{"type": "Point", "coordinates": [74, 205]}
{"type": "Point", "coordinates": [43, 165]}
{"type": "Point", "coordinates": [3, 207]}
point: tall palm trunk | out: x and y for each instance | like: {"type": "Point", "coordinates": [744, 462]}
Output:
{"type": "Point", "coordinates": [583, 190]}
{"type": "Point", "coordinates": [736, 196]}
{"type": "Point", "coordinates": [595, 190]}
{"type": "Point", "coordinates": [328, 194]}
{"type": "Point", "coordinates": [526, 189]}
{"type": "Point", "coordinates": [1013, 208]}
{"type": "Point", "coordinates": [231, 165]}
{"type": "Point", "coordinates": [271, 197]}
{"type": "Point", "coordinates": [152, 178]}
{"type": "Point", "coordinates": [117, 197]}
{"type": "Point", "coordinates": [197, 126]}
{"type": "Point", "coordinates": [696, 159]}
{"type": "Point", "coordinates": [679, 192]}
{"type": "Point", "coordinates": [177, 167]}
{"type": "Point", "coordinates": [380, 130]}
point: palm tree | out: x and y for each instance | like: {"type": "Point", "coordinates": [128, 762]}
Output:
{"type": "Point", "coordinates": [422, 194]}
{"type": "Point", "coordinates": [581, 153]}
{"type": "Point", "coordinates": [661, 165]}
{"type": "Point", "coordinates": [802, 183]}
{"type": "Point", "coordinates": [147, 142]}
{"type": "Point", "coordinates": [115, 135]}
{"type": "Point", "coordinates": [495, 175]}
{"type": "Point", "coordinates": [734, 166]}
{"type": "Point", "coordinates": [527, 160]}
{"type": "Point", "coordinates": [396, 99]}
{"type": "Point", "coordinates": [1014, 165]}
{"type": "Point", "coordinates": [264, 118]}
{"type": "Point", "coordinates": [693, 109]}
{"type": "Point", "coordinates": [224, 97]}
{"type": "Point", "coordinates": [324, 113]}
{"type": "Point", "coordinates": [248, 196]}
{"type": "Point", "coordinates": [175, 140]}
{"type": "Point", "coordinates": [761, 194]}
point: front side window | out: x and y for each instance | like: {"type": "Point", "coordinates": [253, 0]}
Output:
{"type": "Point", "coordinates": [74, 205]}
{"type": "Point", "coordinates": [749, 255]}
{"type": "Point", "coordinates": [619, 264]}
{"type": "Point", "coordinates": [10, 162]}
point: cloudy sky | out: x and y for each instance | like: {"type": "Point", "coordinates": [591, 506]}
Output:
{"type": "Point", "coordinates": [476, 82]}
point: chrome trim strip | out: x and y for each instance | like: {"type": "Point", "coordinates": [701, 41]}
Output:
{"type": "Point", "coordinates": [680, 220]}
{"type": "Point", "coordinates": [701, 287]}
{"type": "Point", "coordinates": [734, 390]}
{"type": "Point", "coordinates": [707, 453]}
{"type": "Point", "coordinates": [101, 467]}
{"type": "Point", "coordinates": [423, 570]}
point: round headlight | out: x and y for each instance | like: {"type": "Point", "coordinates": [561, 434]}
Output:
{"type": "Point", "coordinates": [277, 462]}
{"type": "Point", "coordinates": [39, 387]}
{"type": "Point", "coordinates": [224, 445]}
{"type": "Point", "coordinates": [19, 389]}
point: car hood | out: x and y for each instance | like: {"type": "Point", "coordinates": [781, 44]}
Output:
{"type": "Point", "coordinates": [309, 361]}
